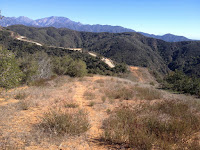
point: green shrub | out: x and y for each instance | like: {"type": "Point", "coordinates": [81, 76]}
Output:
{"type": "Point", "coordinates": [178, 81]}
{"type": "Point", "coordinates": [77, 69]}
{"type": "Point", "coordinates": [10, 74]}
{"type": "Point", "coordinates": [67, 66]}
{"type": "Point", "coordinates": [29, 67]}
{"type": "Point", "coordinates": [61, 64]}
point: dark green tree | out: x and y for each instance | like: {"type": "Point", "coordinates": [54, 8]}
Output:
{"type": "Point", "coordinates": [77, 69]}
{"type": "Point", "coordinates": [10, 74]}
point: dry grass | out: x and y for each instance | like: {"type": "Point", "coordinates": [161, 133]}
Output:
{"type": "Point", "coordinates": [6, 144]}
{"type": "Point", "coordinates": [147, 93]}
{"type": "Point", "coordinates": [123, 93]}
{"type": "Point", "coordinates": [24, 104]}
{"type": "Point", "coordinates": [40, 82]}
{"type": "Point", "coordinates": [21, 96]}
{"type": "Point", "coordinates": [60, 122]}
{"type": "Point", "coordinates": [156, 124]}
{"type": "Point", "coordinates": [165, 125]}
{"type": "Point", "coordinates": [71, 105]}
{"type": "Point", "coordinates": [108, 111]}
{"type": "Point", "coordinates": [91, 104]}
{"type": "Point", "coordinates": [133, 92]}
{"type": "Point", "coordinates": [100, 81]}
{"type": "Point", "coordinates": [89, 95]}
{"type": "Point", "coordinates": [103, 98]}
{"type": "Point", "coordinates": [18, 125]}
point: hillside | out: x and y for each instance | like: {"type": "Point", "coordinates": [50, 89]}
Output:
{"type": "Point", "coordinates": [21, 48]}
{"type": "Point", "coordinates": [62, 22]}
{"type": "Point", "coordinates": [96, 113]}
{"type": "Point", "coordinates": [131, 48]}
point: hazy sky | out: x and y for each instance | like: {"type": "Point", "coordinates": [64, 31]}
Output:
{"type": "Point", "coordinates": [180, 17]}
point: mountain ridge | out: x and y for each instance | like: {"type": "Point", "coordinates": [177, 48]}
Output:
{"type": "Point", "coordinates": [130, 48]}
{"type": "Point", "coordinates": [63, 22]}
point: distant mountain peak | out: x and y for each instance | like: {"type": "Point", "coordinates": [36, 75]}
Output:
{"type": "Point", "coordinates": [167, 37]}
{"type": "Point", "coordinates": [63, 22]}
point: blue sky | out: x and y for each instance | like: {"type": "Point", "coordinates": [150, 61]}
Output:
{"type": "Point", "coordinates": [180, 17]}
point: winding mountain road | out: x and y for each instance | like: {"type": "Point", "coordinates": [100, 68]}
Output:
{"type": "Point", "coordinates": [109, 62]}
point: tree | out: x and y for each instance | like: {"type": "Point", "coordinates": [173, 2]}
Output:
{"type": "Point", "coordinates": [61, 64]}
{"type": "Point", "coordinates": [10, 74]}
{"type": "Point", "coordinates": [67, 66]}
{"type": "Point", "coordinates": [29, 67]}
{"type": "Point", "coordinates": [77, 69]}
{"type": "Point", "coordinates": [44, 66]}
{"type": "Point", "coordinates": [180, 82]}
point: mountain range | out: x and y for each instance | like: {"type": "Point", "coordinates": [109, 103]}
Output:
{"type": "Point", "coordinates": [131, 48]}
{"type": "Point", "coordinates": [62, 22]}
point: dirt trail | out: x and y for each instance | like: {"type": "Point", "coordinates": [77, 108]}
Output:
{"type": "Point", "coordinates": [136, 73]}
{"type": "Point", "coordinates": [95, 117]}
{"type": "Point", "coordinates": [22, 38]}
{"type": "Point", "coordinates": [108, 61]}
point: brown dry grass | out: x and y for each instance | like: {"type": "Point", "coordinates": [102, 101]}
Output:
{"type": "Point", "coordinates": [98, 96]}
{"type": "Point", "coordinates": [59, 122]}
{"type": "Point", "coordinates": [165, 125]}
{"type": "Point", "coordinates": [128, 92]}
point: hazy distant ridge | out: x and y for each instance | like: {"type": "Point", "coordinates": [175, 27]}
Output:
{"type": "Point", "coordinates": [62, 22]}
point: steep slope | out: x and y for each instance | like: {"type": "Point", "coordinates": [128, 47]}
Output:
{"type": "Point", "coordinates": [131, 48]}
{"type": "Point", "coordinates": [62, 22]}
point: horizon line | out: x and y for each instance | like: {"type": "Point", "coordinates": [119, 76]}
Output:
{"type": "Point", "coordinates": [197, 39]}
